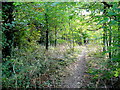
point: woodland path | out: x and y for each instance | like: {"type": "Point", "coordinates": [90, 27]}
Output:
{"type": "Point", "coordinates": [76, 78]}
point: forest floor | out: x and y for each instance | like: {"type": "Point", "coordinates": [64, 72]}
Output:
{"type": "Point", "coordinates": [77, 72]}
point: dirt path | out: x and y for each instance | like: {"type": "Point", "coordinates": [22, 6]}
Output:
{"type": "Point", "coordinates": [76, 78]}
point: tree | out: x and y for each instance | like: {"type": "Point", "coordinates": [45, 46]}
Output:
{"type": "Point", "coordinates": [8, 31]}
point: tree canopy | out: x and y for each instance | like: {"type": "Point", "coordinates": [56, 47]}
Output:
{"type": "Point", "coordinates": [31, 29]}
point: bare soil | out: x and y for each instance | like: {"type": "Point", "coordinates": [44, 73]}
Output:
{"type": "Point", "coordinates": [77, 73]}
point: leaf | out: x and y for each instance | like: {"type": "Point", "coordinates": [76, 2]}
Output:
{"type": "Point", "coordinates": [116, 59]}
{"type": "Point", "coordinates": [106, 19]}
{"type": "Point", "coordinates": [116, 74]}
{"type": "Point", "coordinates": [111, 13]}
{"type": "Point", "coordinates": [113, 22]}
{"type": "Point", "coordinates": [54, 4]}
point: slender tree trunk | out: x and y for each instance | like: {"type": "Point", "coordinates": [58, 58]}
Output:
{"type": "Point", "coordinates": [110, 39]}
{"type": "Point", "coordinates": [8, 33]}
{"type": "Point", "coordinates": [119, 37]}
{"type": "Point", "coordinates": [47, 32]}
{"type": "Point", "coordinates": [104, 48]}
{"type": "Point", "coordinates": [72, 39]}
{"type": "Point", "coordinates": [55, 36]}
{"type": "Point", "coordinates": [104, 30]}
{"type": "Point", "coordinates": [118, 31]}
{"type": "Point", "coordinates": [81, 39]}
{"type": "Point", "coordinates": [66, 33]}
{"type": "Point", "coordinates": [106, 39]}
{"type": "Point", "coordinates": [7, 15]}
{"type": "Point", "coordinates": [106, 42]}
{"type": "Point", "coordinates": [70, 33]}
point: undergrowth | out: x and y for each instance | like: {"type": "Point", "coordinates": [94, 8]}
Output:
{"type": "Point", "coordinates": [36, 67]}
{"type": "Point", "coordinates": [102, 73]}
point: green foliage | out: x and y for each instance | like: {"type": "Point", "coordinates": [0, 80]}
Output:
{"type": "Point", "coordinates": [101, 68]}
{"type": "Point", "coordinates": [68, 24]}
{"type": "Point", "coordinates": [35, 62]}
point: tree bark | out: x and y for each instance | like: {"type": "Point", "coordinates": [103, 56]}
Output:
{"type": "Point", "coordinates": [110, 40]}
{"type": "Point", "coordinates": [47, 32]}
{"type": "Point", "coordinates": [118, 31]}
{"type": "Point", "coordinates": [7, 15]}
{"type": "Point", "coordinates": [104, 30]}
{"type": "Point", "coordinates": [107, 42]}
{"type": "Point", "coordinates": [55, 36]}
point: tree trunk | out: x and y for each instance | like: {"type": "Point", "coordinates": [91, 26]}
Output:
{"type": "Point", "coordinates": [110, 40]}
{"type": "Point", "coordinates": [47, 32]}
{"type": "Point", "coordinates": [7, 15]}
{"type": "Point", "coordinates": [118, 31]}
{"type": "Point", "coordinates": [72, 39]}
{"type": "Point", "coordinates": [104, 30]}
{"type": "Point", "coordinates": [55, 36]}
{"type": "Point", "coordinates": [70, 33]}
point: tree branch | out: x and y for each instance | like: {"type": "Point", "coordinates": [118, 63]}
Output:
{"type": "Point", "coordinates": [106, 4]}
{"type": "Point", "coordinates": [94, 30]}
